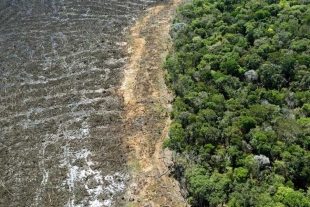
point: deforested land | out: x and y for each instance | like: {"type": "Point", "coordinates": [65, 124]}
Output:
{"type": "Point", "coordinates": [64, 125]}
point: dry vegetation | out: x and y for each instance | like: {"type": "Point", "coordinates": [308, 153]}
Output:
{"type": "Point", "coordinates": [147, 102]}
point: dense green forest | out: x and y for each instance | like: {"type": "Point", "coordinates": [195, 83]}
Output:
{"type": "Point", "coordinates": [240, 71]}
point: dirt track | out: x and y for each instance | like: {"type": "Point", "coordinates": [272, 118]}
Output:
{"type": "Point", "coordinates": [147, 101]}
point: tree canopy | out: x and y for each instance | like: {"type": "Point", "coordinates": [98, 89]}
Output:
{"type": "Point", "coordinates": [240, 71]}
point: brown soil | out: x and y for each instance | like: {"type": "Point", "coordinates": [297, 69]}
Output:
{"type": "Point", "coordinates": [146, 120]}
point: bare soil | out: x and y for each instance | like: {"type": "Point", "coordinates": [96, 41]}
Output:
{"type": "Point", "coordinates": [70, 129]}
{"type": "Point", "coordinates": [61, 128]}
{"type": "Point", "coordinates": [146, 121]}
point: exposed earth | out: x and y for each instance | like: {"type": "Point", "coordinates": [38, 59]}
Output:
{"type": "Point", "coordinates": [147, 102]}
{"type": "Point", "coordinates": [83, 104]}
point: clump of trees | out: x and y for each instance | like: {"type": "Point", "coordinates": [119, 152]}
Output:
{"type": "Point", "coordinates": [240, 71]}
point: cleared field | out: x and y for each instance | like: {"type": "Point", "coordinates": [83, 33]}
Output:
{"type": "Point", "coordinates": [61, 63]}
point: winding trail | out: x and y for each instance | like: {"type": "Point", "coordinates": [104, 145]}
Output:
{"type": "Point", "coordinates": [146, 119]}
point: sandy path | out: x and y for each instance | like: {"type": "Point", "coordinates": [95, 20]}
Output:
{"type": "Point", "coordinates": [146, 120]}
